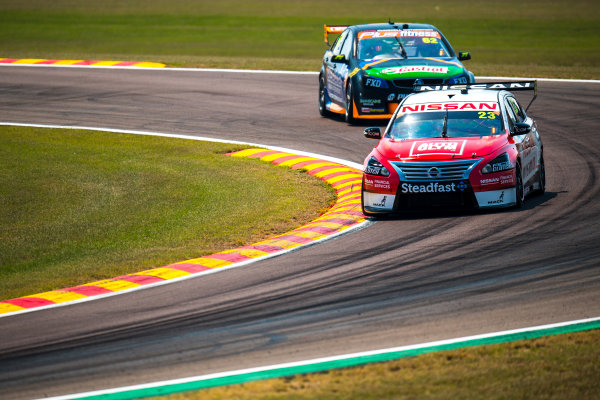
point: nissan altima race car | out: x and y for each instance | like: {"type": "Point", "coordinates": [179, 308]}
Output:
{"type": "Point", "coordinates": [455, 146]}
{"type": "Point", "coordinates": [370, 68]}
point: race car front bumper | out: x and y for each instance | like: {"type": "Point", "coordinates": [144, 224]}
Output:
{"type": "Point", "coordinates": [417, 189]}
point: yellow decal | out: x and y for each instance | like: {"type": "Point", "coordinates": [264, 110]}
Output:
{"type": "Point", "coordinates": [486, 115]}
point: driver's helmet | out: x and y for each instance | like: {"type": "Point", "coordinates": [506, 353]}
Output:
{"type": "Point", "coordinates": [389, 46]}
{"type": "Point", "coordinates": [370, 48]}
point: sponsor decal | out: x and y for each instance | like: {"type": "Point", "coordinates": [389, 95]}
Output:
{"type": "Point", "coordinates": [501, 166]}
{"type": "Point", "coordinates": [370, 110]}
{"type": "Point", "coordinates": [336, 29]}
{"type": "Point", "coordinates": [498, 180]}
{"type": "Point", "coordinates": [500, 199]}
{"type": "Point", "coordinates": [374, 82]}
{"type": "Point", "coordinates": [489, 181]}
{"type": "Point", "coordinates": [496, 198]}
{"type": "Point", "coordinates": [506, 179]}
{"type": "Point", "coordinates": [378, 184]}
{"type": "Point", "coordinates": [419, 33]}
{"type": "Point", "coordinates": [382, 201]}
{"type": "Point", "coordinates": [370, 102]}
{"type": "Point", "coordinates": [415, 68]}
{"type": "Point", "coordinates": [336, 86]}
{"type": "Point", "coordinates": [443, 147]}
{"type": "Point", "coordinates": [450, 107]}
{"type": "Point", "coordinates": [398, 33]}
{"type": "Point", "coordinates": [433, 187]}
{"type": "Point", "coordinates": [372, 170]}
{"type": "Point", "coordinates": [494, 86]}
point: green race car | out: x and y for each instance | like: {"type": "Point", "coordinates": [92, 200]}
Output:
{"type": "Point", "coordinates": [370, 68]}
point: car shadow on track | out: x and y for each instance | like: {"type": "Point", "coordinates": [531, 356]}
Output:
{"type": "Point", "coordinates": [533, 201]}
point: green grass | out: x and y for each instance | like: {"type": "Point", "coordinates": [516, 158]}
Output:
{"type": "Point", "coordinates": [545, 38]}
{"type": "Point", "coordinates": [556, 367]}
{"type": "Point", "coordinates": [78, 206]}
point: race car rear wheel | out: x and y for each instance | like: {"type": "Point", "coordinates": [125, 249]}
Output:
{"type": "Point", "coordinates": [541, 177]}
{"type": "Point", "coordinates": [520, 188]}
{"type": "Point", "coordinates": [322, 107]}
{"type": "Point", "coordinates": [350, 104]}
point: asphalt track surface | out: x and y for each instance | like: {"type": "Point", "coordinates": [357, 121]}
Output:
{"type": "Point", "coordinates": [398, 282]}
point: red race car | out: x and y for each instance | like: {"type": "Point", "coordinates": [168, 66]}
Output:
{"type": "Point", "coordinates": [455, 146]}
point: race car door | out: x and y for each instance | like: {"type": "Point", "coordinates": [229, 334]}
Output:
{"type": "Point", "coordinates": [528, 143]}
{"type": "Point", "coordinates": [337, 67]}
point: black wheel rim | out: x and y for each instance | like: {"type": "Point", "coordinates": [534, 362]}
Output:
{"type": "Point", "coordinates": [520, 188]}
{"type": "Point", "coordinates": [542, 180]}
{"type": "Point", "coordinates": [321, 95]}
{"type": "Point", "coordinates": [349, 103]}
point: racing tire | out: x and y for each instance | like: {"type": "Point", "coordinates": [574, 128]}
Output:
{"type": "Point", "coordinates": [322, 107]}
{"type": "Point", "coordinates": [349, 117]}
{"type": "Point", "coordinates": [541, 178]}
{"type": "Point", "coordinates": [519, 187]}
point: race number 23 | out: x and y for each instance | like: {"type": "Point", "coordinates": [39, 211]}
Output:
{"type": "Point", "coordinates": [486, 115]}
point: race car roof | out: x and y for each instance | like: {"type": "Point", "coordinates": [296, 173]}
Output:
{"type": "Point", "coordinates": [336, 29]}
{"type": "Point", "coordinates": [393, 25]}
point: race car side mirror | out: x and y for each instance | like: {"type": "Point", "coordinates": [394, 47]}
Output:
{"type": "Point", "coordinates": [373, 133]}
{"type": "Point", "coordinates": [339, 58]}
{"type": "Point", "coordinates": [464, 55]}
{"type": "Point", "coordinates": [521, 128]}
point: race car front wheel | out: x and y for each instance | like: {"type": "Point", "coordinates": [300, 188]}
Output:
{"type": "Point", "coordinates": [322, 107]}
{"type": "Point", "coordinates": [520, 188]}
{"type": "Point", "coordinates": [350, 104]}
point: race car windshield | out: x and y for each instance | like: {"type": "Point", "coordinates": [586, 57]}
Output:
{"type": "Point", "coordinates": [390, 44]}
{"type": "Point", "coordinates": [459, 124]}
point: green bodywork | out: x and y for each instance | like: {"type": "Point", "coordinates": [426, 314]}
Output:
{"type": "Point", "coordinates": [415, 71]}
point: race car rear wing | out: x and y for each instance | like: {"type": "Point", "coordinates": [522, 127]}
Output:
{"type": "Point", "coordinates": [334, 29]}
{"type": "Point", "coordinates": [510, 86]}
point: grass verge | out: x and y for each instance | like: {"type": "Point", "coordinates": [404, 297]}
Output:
{"type": "Point", "coordinates": [543, 38]}
{"type": "Point", "coordinates": [555, 367]}
{"type": "Point", "coordinates": [79, 206]}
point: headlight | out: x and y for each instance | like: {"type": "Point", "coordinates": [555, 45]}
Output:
{"type": "Point", "coordinates": [500, 163]}
{"type": "Point", "coordinates": [374, 167]}
{"type": "Point", "coordinates": [460, 79]}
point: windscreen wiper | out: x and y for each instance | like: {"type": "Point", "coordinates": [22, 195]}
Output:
{"type": "Point", "coordinates": [401, 47]}
{"type": "Point", "coordinates": [445, 126]}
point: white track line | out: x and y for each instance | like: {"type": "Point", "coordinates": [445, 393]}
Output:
{"type": "Point", "coordinates": [290, 366]}
{"type": "Point", "coordinates": [260, 71]}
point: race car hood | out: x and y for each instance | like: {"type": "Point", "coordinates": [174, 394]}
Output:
{"type": "Point", "coordinates": [440, 148]}
{"type": "Point", "coordinates": [397, 68]}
